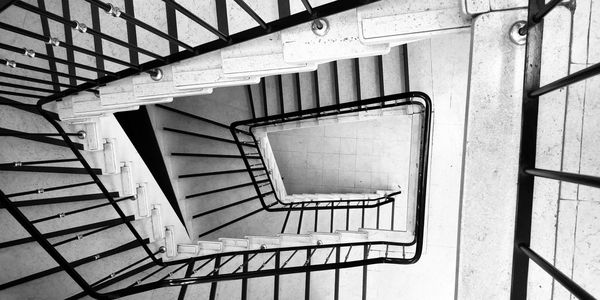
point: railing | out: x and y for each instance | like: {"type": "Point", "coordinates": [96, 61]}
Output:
{"type": "Point", "coordinates": [132, 67]}
{"type": "Point", "coordinates": [416, 99]}
{"type": "Point", "coordinates": [286, 257]}
{"type": "Point", "coordinates": [282, 256]}
{"type": "Point", "coordinates": [522, 252]}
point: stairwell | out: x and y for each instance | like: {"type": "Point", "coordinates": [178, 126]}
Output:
{"type": "Point", "coordinates": [217, 78]}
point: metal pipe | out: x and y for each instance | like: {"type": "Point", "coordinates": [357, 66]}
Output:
{"type": "Point", "coordinates": [207, 155]}
{"type": "Point", "coordinates": [59, 43]}
{"type": "Point", "coordinates": [308, 7]}
{"type": "Point", "coordinates": [567, 80]}
{"type": "Point", "coordinates": [129, 19]}
{"type": "Point", "coordinates": [65, 199]}
{"type": "Point", "coordinates": [539, 16]}
{"type": "Point", "coordinates": [234, 221]}
{"type": "Point", "coordinates": [563, 279]}
{"type": "Point", "coordinates": [227, 206]}
{"type": "Point", "coordinates": [592, 181]}
{"type": "Point", "coordinates": [62, 215]}
{"type": "Point", "coordinates": [24, 87]}
{"type": "Point", "coordinates": [75, 25]}
{"type": "Point", "coordinates": [98, 182]}
{"type": "Point", "coordinates": [147, 276]}
{"type": "Point", "coordinates": [37, 162]}
{"type": "Point", "coordinates": [19, 77]}
{"type": "Point", "coordinates": [56, 188]}
{"type": "Point", "coordinates": [219, 173]}
{"type": "Point", "coordinates": [184, 11]}
{"type": "Point", "coordinates": [210, 137]}
{"type": "Point", "coordinates": [74, 264]}
{"type": "Point", "coordinates": [219, 190]}
{"type": "Point", "coordinates": [253, 14]}
{"type": "Point", "coordinates": [30, 52]}
{"type": "Point", "coordinates": [277, 25]}
{"type": "Point", "coordinates": [21, 94]}
{"type": "Point", "coordinates": [113, 274]}
{"type": "Point", "coordinates": [37, 236]}
{"type": "Point", "coordinates": [193, 116]}
{"type": "Point", "coordinates": [42, 70]}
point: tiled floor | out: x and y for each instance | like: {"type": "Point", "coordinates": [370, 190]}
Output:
{"type": "Point", "coordinates": [357, 157]}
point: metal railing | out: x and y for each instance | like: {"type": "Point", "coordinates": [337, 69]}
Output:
{"type": "Point", "coordinates": [416, 99]}
{"type": "Point", "coordinates": [150, 260]}
{"type": "Point", "coordinates": [132, 67]}
{"type": "Point", "coordinates": [411, 251]}
{"type": "Point", "coordinates": [522, 252]}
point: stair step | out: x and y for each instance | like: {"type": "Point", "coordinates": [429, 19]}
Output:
{"type": "Point", "coordinates": [291, 239]}
{"type": "Point", "coordinates": [209, 247]}
{"type": "Point", "coordinates": [388, 235]}
{"type": "Point", "coordinates": [325, 237]}
{"type": "Point", "coordinates": [232, 244]}
{"type": "Point", "coordinates": [352, 236]}
{"type": "Point", "coordinates": [257, 241]}
{"type": "Point", "coordinates": [396, 22]}
{"type": "Point", "coordinates": [301, 45]}
{"type": "Point", "coordinates": [206, 71]}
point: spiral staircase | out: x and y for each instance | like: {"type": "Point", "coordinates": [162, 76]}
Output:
{"type": "Point", "coordinates": [136, 159]}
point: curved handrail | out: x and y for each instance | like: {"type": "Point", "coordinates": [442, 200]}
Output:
{"type": "Point", "coordinates": [356, 106]}
{"type": "Point", "coordinates": [417, 240]}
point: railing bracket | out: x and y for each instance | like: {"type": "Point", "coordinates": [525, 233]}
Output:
{"type": "Point", "coordinates": [517, 34]}
{"type": "Point", "coordinates": [320, 27]}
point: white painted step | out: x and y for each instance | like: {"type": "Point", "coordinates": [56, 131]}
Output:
{"type": "Point", "coordinates": [206, 71]}
{"type": "Point", "coordinates": [401, 22]}
{"type": "Point", "coordinates": [83, 106]}
{"type": "Point", "coordinates": [258, 57]}
{"type": "Point", "coordinates": [475, 7]}
{"type": "Point", "coordinates": [301, 45]}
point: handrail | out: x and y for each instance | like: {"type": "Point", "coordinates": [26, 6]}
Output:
{"type": "Point", "coordinates": [277, 25]}
{"type": "Point", "coordinates": [336, 109]}
{"type": "Point", "coordinates": [522, 253]}
{"type": "Point", "coordinates": [195, 280]}
{"type": "Point", "coordinates": [189, 52]}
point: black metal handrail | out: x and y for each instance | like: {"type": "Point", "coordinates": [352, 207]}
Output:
{"type": "Point", "coordinates": [522, 253]}
{"type": "Point", "coordinates": [224, 39]}
{"type": "Point", "coordinates": [390, 101]}
{"type": "Point", "coordinates": [90, 290]}
{"type": "Point", "coordinates": [91, 83]}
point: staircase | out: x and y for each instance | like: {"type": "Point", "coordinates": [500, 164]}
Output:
{"type": "Point", "coordinates": [126, 269]}
{"type": "Point", "coordinates": [243, 69]}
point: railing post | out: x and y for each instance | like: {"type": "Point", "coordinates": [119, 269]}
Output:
{"type": "Point", "coordinates": [525, 182]}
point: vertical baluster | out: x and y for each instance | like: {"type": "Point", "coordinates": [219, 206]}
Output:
{"type": "Point", "coordinates": [300, 219]}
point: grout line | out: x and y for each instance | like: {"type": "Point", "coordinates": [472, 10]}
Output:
{"type": "Point", "coordinates": [574, 244]}
{"type": "Point", "coordinates": [587, 54]}
{"type": "Point", "coordinates": [562, 153]}
{"type": "Point", "coordinates": [581, 134]}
